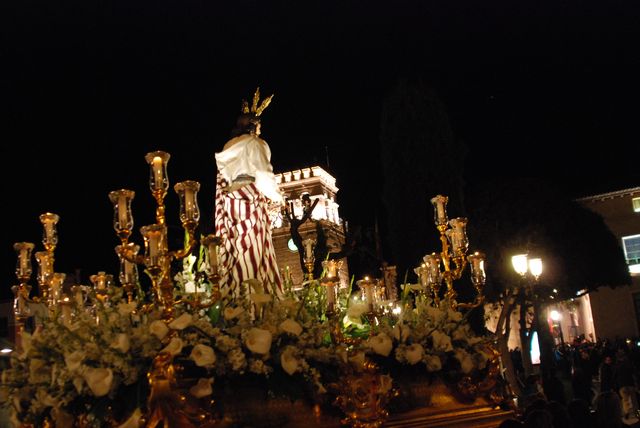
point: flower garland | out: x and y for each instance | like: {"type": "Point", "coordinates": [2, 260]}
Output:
{"type": "Point", "coordinates": [83, 365]}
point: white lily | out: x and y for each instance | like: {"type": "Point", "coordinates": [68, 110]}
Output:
{"type": "Point", "coordinates": [203, 355]}
{"type": "Point", "coordinates": [414, 353]}
{"type": "Point", "coordinates": [288, 360]}
{"type": "Point", "coordinates": [174, 347]}
{"type": "Point", "coordinates": [159, 329]}
{"type": "Point", "coordinates": [381, 344]}
{"type": "Point", "coordinates": [182, 322]}
{"type": "Point", "coordinates": [202, 388]}
{"type": "Point", "coordinates": [290, 326]}
{"type": "Point", "coordinates": [258, 340]}
{"type": "Point", "coordinates": [99, 380]}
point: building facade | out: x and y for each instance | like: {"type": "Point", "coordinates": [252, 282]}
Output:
{"type": "Point", "coordinates": [319, 185]}
{"type": "Point", "coordinates": [620, 211]}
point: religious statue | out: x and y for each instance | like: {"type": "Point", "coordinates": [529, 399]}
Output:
{"type": "Point", "coordinates": [245, 187]}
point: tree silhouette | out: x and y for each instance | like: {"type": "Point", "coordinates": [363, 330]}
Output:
{"type": "Point", "coordinates": [420, 159]}
{"type": "Point", "coordinates": [579, 252]}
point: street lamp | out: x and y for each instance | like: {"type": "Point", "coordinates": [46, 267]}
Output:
{"type": "Point", "coordinates": [556, 317]}
{"type": "Point", "coordinates": [523, 264]}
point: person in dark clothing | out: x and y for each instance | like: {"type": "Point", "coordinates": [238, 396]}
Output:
{"type": "Point", "coordinates": [580, 414]}
{"type": "Point", "coordinates": [606, 374]}
{"type": "Point", "coordinates": [581, 383]}
{"type": "Point", "coordinates": [559, 414]}
{"type": "Point", "coordinates": [624, 381]}
{"type": "Point", "coordinates": [608, 410]}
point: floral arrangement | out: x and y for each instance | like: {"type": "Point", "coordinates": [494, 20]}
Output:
{"type": "Point", "coordinates": [84, 364]}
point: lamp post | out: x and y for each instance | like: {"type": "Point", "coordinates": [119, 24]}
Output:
{"type": "Point", "coordinates": [530, 270]}
{"type": "Point", "coordinates": [556, 317]}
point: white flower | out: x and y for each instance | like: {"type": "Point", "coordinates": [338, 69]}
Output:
{"type": "Point", "coordinates": [121, 343]}
{"type": "Point", "coordinates": [433, 363]}
{"type": "Point", "coordinates": [237, 359]}
{"type": "Point", "coordinates": [381, 344]}
{"type": "Point", "coordinates": [414, 353]}
{"type": "Point", "coordinates": [288, 361]}
{"type": "Point", "coordinates": [231, 313]}
{"type": "Point", "coordinates": [182, 322]}
{"type": "Point", "coordinates": [203, 355]}
{"type": "Point", "coordinates": [441, 342]}
{"type": "Point", "coordinates": [355, 311]}
{"type": "Point", "coordinates": [99, 380]}
{"type": "Point", "coordinates": [26, 344]}
{"type": "Point", "coordinates": [133, 421]}
{"type": "Point", "coordinates": [78, 382]}
{"type": "Point", "coordinates": [401, 332]}
{"type": "Point", "coordinates": [290, 326]}
{"type": "Point", "coordinates": [174, 347]}
{"type": "Point", "coordinates": [125, 309]}
{"type": "Point", "coordinates": [74, 360]}
{"type": "Point", "coordinates": [454, 315]}
{"type": "Point", "coordinates": [159, 329]}
{"type": "Point", "coordinates": [466, 363]}
{"type": "Point", "coordinates": [202, 388]}
{"type": "Point", "coordinates": [39, 371]}
{"type": "Point", "coordinates": [258, 340]}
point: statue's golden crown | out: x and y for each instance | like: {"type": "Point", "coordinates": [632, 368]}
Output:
{"type": "Point", "coordinates": [255, 108]}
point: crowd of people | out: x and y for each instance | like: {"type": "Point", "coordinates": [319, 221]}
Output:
{"type": "Point", "coordinates": [593, 385]}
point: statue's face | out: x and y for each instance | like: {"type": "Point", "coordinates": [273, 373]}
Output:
{"type": "Point", "coordinates": [257, 131]}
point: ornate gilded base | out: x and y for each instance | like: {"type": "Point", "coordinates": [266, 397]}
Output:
{"type": "Point", "coordinates": [436, 406]}
{"type": "Point", "coordinates": [423, 404]}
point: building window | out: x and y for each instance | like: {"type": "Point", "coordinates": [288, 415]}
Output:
{"type": "Point", "coordinates": [636, 204]}
{"type": "Point", "coordinates": [631, 245]}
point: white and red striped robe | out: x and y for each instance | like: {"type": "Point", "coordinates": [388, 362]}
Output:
{"type": "Point", "coordinates": [242, 221]}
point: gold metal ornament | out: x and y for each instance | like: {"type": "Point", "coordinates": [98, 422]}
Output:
{"type": "Point", "coordinates": [255, 108]}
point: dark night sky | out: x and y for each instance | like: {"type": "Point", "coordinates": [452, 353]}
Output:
{"type": "Point", "coordinates": [87, 88]}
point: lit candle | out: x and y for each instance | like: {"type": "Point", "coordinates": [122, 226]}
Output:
{"type": "Point", "coordinates": [440, 209]}
{"type": "Point", "coordinates": [331, 296]}
{"type": "Point", "coordinates": [66, 311]}
{"type": "Point", "coordinates": [368, 290]}
{"type": "Point", "coordinates": [308, 246]}
{"type": "Point", "coordinates": [154, 244]}
{"type": "Point", "coordinates": [78, 295]}
{"type": "Point", "coordinates": [189, 203]}
{"type": "Point", "coordinates": [128, 271]}
{"type": "Point", "coordinates": [23, 261]}
{"type": "Point", "coordinates": [122, 211]}
{"type": "Point", "coordinates": [48, 230]}
{"type": "Point", "coordinates": [157, 172]}
{"type": "Point", "coordinates": [213, 257]}
{"type": "Point", "coordinates": [332, 269]}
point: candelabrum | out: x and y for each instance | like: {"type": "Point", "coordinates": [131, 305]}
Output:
{"type": "Point", "coordinates": [21, 310]}
{"type": "Point", "coordinates": [48, 281]}
{"type": "Point", "coordinates": [368, 287]}
{"type": "Point", "coordinates": [452, 258]}
{"type": "Point", "coordinates": [329, 280]}
{"type": "Point", "coordinates": [157, 257]}
{"type": "Point", "coordinates": [309, 258]}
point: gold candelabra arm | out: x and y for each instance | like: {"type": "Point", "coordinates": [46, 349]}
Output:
{"type": "Point", "coordinates": [128, 253]}
{"type": "Point", "coordinates": [190, 243]}
{"type": "Point", "coordinates": [460, 263]}
{"type": "Point", "coordinates": [158, 195]}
